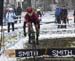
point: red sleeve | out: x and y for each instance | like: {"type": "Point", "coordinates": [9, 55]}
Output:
{"type": "Point", "coordinates": [36, 16]}
{"type": "Point", "coordinates": [26, 18]}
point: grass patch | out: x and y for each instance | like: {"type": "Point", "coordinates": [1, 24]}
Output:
{"type": "Point", "coordinates": [53, 43]}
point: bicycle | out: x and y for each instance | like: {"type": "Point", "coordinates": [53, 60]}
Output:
{"type": "Point", "coordinates": [33, 38]}
{"type": "Point", "coordinates": [33, 35]}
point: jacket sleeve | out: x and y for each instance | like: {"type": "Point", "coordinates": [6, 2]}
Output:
{"type": "Point", "coordinates": [26, 18]}
{"type": "Point", "coordinates": [36, 17]}
{"type": "Point", "coordinates": [7, 16]}
{"type": "Point", "coordinates": [14, 15]}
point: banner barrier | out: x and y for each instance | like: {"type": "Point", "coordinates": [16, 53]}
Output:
{"type": "Point", "coordinates": [54, 52]}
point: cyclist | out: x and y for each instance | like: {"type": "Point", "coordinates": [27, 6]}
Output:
{"type": "Point", "coordinates": [32, 17]}
{"type": "Point", "coordinates": [39, 15]}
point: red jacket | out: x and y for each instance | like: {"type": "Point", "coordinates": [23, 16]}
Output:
{"type": "Point", "coordinates": [30, 18]}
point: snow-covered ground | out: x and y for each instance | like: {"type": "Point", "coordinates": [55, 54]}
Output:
{"type": "Point", "coordinates": [47, 31]}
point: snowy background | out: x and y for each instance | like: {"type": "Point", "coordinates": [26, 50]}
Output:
{"type": "Point", "coordinates": [48, 30]}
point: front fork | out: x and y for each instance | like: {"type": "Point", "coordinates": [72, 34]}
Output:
{"type": "Point", "coordinates": [30, 30]}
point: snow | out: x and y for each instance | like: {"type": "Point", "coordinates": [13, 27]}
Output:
{"type": "Point", "coordinates": [47, 31]}
{"type": "Point", "coordinates": [50, 30]}
{"type": "Point", "coordinates": [20, 44]}
{"type": "Point", "coordinates": [5, 58]}
{"type": "Point", "coordinates": [48, 17]}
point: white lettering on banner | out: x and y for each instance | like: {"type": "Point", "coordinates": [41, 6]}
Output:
{"type": "Point", "coordinates": [61, 52]}
{"type": "Point", "coordinates": [27, 53]}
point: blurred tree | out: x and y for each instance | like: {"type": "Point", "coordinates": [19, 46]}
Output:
{"type": "Point", "coordinates": [26, 3]}
{"type": "Point", "coordinates": [1, 12]}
